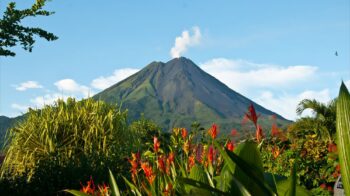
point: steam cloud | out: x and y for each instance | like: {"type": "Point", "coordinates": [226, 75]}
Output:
{"type": "Point", "coordinates": [184, 41]}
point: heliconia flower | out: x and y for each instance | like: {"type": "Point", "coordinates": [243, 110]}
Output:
{"type": "Point", "coordinates": [332, 147]}
{"type": "Point", "coordinates": [184, 133]}
{"type": "Point", "coordinates": [171, 157]}
{"type": "Point", "coordinates": [161, 164]}
{"type": "Point", "coordinates": [335, 174]}
{"type": "Point", "coordinates": [251, 115]}
{"type": "Point", "coordinates": [199, 153]}
{"type": "Point", "coordinates": [230, 146]}
{"type": "Point", "coordinates": [259, 133]}
{"type": "Point", "coordinates": [147, 169]}
{"type": "Point", "coordinates": [191, 161]}
{"type": "Point", "coordinates": [89, 188]}
{"type": "Point", "coordinates": [211, 154]}
{"type": "Point", "coordinates": [103, 189]}
{"type": "Point", "coordinates": [156, 144]}
{"type": "Point", "coordinates": [234, 132]}
{"type": "Point", "coordinates": [213, 131]}
{"type": "Point", "coordinates": [186, 146]}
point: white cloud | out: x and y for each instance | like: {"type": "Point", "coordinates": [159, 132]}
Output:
{"type": "Point", "coordinates": [70, 86]}
{"type": "Point", "coordinates": [48, 99]}
{"type": "Point", "coordinates": [184, 41]}
{"type": "Point", "coordinates": [102, 83]}
{"type": "Point", "coordinates": [19, 107]}
{"type": "Point", "coordinates": [28, 85]}
{"type": "Point", "coordinates": [241, 75]}
{"type": "Point", "coordinates": [286, 104]}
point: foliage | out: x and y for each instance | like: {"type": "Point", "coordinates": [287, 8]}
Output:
{"type": "Point", "coordinates": [343, 135]}
{"type": "Point", "coordinates": [204, 166]}
{"type": "Point", "coordinates": [323, 121]}
{"type": "Point", "coordinates": [68, 139]}
{"type": "Point", "coordinates": [13, 32]}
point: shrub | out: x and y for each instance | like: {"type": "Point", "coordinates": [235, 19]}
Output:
{"type": "Point", "coordinates": [63, 144]}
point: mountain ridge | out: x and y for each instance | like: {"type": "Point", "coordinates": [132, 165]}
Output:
{"type": "Point", "coordinates": [176, 90]}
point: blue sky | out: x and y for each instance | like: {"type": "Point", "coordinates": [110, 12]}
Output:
{"type": "Point", "coordinates": [274, 52]}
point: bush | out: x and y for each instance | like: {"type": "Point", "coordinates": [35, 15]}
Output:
{"type": "Point", "coordinates": [63, 144]}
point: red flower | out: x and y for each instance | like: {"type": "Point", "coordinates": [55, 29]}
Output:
{"type": "Point", "coordinates": [89, 188]}
{"type": "Point", "coordinates": [234, 132]}
{"type": "Point", "coordinates": [147, 169]}
{"type": "Point", "coordinates": [251, 115]}
{"type": "Point", "coordinates": [161, 164]}
{"type": "Point", "coordinates": [156, 144]}
{"type": "Point", "coordinates": [323, 186]}
{"type": "Point", "coordinates": [171, 157]}
{"type": "Point", "coordinates": [259, 133]}
{"type": "Point", "coordinates": [332, 147]}
{"type": "Point", "coordinates": [230, 146]}
{"type": "Point", "coordinates": [211, 155]}
{"type": "Point", "coordinates": [191, 161]}
{"type": "Point", "coordinates": [183, 133]}
{"type": "Point", "coordinates": [213, 131]}
{"type": "Point", "coordinates": [103, 189]}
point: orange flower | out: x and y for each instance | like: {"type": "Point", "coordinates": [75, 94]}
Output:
{"type": "Point", "coordinates": [171, 157]}
{"type": "Point", "coordinates": [147, 169]}
{"type": "Point", "coordinates": [234, 133]}
{"type": "Point", "coordinates": [211, 155]}
{"type": "Point", "coordinates": [191, 161]}
{"type": "Point", "coordinates": [259, 133]}
{"type": "Point", "coordinates": [332, 147]}
{"type": "Point", "coordinates": [230, 146]}
{"type": "Point", "coordinates": [156, 144]}
{"type": "Point", "coordinates": [323, 186]}
{"type": "Point", "coordinates": [103, 189]}
{"type": "Point", "coordinates": [89, 188]}
{"type": "Point", "coordinates": [276, 151]}
{"type": "Point", "coordinates": [213, 131]}
{"type": "Point", "coordinates": [184, 133]}
{"type": "Point", "coordinates": [161, 164]}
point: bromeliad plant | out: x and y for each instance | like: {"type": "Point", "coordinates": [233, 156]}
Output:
{"type": "Point", "coordinates": [209, 167]}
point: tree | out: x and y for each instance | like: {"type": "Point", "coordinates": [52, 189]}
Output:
{"type": "Point", "coordinates": [322, 122]}
{"type": "Point", "coordinates": [13, 33]}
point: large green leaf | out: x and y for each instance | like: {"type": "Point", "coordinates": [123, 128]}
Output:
{"type": "Point", "coordinates": [202, 186]}
{"type": "Point", "coordinates": [113, 184]}
{"type": "Point", "coordinates": [343, 135]}
{"type": "Point", "coordinates": [132, 187]}
{"type": "Point", "coordinates": [197, 173]}
{"type": "Point", "coordinates": [248, 173]}
{"type": "Point", "coordinates": [290, 187]}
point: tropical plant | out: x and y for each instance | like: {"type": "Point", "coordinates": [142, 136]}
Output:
{"type": "Point", "coordinates": [205, 168]}
{"type": "Point", "coordinates": [322, 123]}
{"type": "Point", "coordinates": [343, 135]}
{"type": "Point", "coordinates": [12, 32]}
{"type": "Point", "coordinates": [72, 139]}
